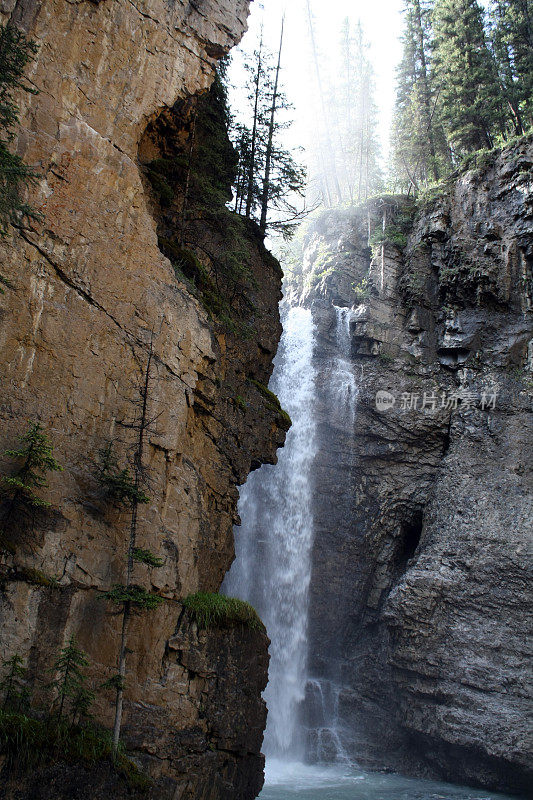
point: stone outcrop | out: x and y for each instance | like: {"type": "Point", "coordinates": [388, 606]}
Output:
{"type": "Point", "coordinates": [419, 595]}
{"type": "Point", "coordinates": [92, 289]}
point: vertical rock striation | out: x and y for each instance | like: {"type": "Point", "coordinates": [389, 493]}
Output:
{"type": "Point", "coordinates": [420, 583]}
{"type": "Point", "coordinates": [92, 289]}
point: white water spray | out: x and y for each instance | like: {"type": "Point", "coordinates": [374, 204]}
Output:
{"type": "Point", "coordinates": [343, 381]}
{"type": "Point", "coordinates": [273, 546]}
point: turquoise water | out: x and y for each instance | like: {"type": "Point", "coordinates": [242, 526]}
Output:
{"type": "Point", "coordinates": [286, 781]}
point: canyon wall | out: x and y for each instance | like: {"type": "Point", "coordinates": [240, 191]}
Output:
{"type": "Point", "coordinates": [423, 505]}
{"type": "Point", "coordinates": [92, 293]}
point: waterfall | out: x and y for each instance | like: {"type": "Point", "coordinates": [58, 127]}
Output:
{"type": "Point", "coordinates": [340, 390]}
{"type": "Point", "coordinates": [273, 545]}
{"type": "Point", "coordinates": [343, 381]}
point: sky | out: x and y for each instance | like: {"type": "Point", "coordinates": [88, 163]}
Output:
{"type": "Point", "coordinates": [382, 23]}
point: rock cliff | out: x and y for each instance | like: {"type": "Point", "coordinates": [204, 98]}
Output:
{"type": "Point", "coordinates": [92, 290]}
{"type": "Point", "coordinates": [419, 593]}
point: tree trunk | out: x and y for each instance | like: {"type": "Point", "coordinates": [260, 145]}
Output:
{"type": "Point", "coordinates": [268, 155]}
{"type": "Point", "coordinates": [253, 143]}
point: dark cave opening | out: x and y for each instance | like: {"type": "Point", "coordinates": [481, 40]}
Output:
{"type": "Point", "coordinates": [408, 541]}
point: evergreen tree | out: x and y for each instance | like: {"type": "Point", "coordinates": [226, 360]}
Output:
{"type": "Point", "coordinates": [16, 51]}
{"type": "Point", "coordinates": [346, 149]}
{"type": "Point", "coordinates": [419, 148]}
{"type": "Point", "coordinates": [268, 176]}
{"type": "Point", "coordinates": [512, 40]}
{"type": "Point", "coordinates": [20, 501]}
{"type": "Point", "coordinates": [125, 488]}
{"type": "Point", "coordinates": [467, 81]}
{"type": "Point", "coordinates": [13, 684]}
{"type": "Point", "coordinates": [70, 679]}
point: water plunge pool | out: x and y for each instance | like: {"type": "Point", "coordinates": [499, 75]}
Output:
{"type": "Point", "coordinates": [294, 781]}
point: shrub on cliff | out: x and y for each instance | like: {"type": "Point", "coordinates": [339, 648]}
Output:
{"type": "Point", "coordinates": [20, 507]}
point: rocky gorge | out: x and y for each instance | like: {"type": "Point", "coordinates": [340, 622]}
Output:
{"type": "Point", "coordinates": [137, 274]}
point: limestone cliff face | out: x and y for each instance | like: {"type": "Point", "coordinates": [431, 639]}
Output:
{"type": "Point", "coordinates": [92, 289]}
{"type": "Point", "coordinates": [419, 591]}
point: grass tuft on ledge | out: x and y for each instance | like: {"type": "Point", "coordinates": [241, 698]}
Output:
{"type": "Point", "coordinates": [211, 610]}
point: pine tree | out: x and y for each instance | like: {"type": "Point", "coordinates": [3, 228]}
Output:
{"type": "Point", "coordinates": [13, 684]}
{"type": "Point", "coordinates": [70, 681]}
{"type": "Point", "coordinates": [125, 488]}
{"type": "Point", "coordinates": [511, 32]}
{"type": "Point", "coordinates": [268, 177]}
{"type": "Point", "coordinates": [467, 81]}
{"type": "Point", "coordinates": [346, 151]}
{"type": "Point", "coordinates": [16, 51]}
{"type": "Point", "coordinates": [419, 148]}
{"type": "Point", "coordinates": [20, 501]}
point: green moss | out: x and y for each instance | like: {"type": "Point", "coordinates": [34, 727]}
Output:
{"type": "Point", "coordinates": [37, 577]}
{"type": "Point", "coordinates": [240, 402]}
{"type": "Point", "coordinates": [386, 358]}
{"type": "Point", "coordinates": [27, 742]}
{"type": "Point", "coordinates": [273, 404]}
{"type": "Point", "coordinates": [263, 390]}
{"type": "Point", "coordinates": [211, 610]}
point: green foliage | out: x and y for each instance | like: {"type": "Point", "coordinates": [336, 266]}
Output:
{"type": "Point", "coordinates": [15, 53]}
{"type": "Point", "coordinates": [19, 501]}
{"type": "Point", "coordinates": [35, 576]}
{"type": "Point", "coordinates": [470, 95]}
{"type": "Point", "coordinates": [386, 358]}
{"type": "Point", "coordinates": [147, 557]}
{"type": "Point", "coordinates": [37, 459]}
{"type": "Point", "coordinates": [119, 484]}
{"type": "Point", "coordinates": [132, 595]}
{"type": "Point", "coordinates": [115, 682]}
{"type": "Point", "coordinates": [13, 684]}
{"type": "Point", "coordinates": [268, 176]}
{"type": "Point", "coordinates": [218, 611]}
{"type": "Point", "coordinates": [511, 34]}
{"type": "Point", "coordinates": [240, 402]}
{"type": "Point", "coordinates": [272, 403]}
{"type": "Point", "coordinates": [362, 290]}
{"type": "Point", "coordinates": [28, 742]}
{"type": "Point", "coordinates": [70, 680]}
{"type": "Point", "coordinates": [465, 83]}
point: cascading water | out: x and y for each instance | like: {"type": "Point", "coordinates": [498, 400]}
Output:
{"type": "Point", "coordinates": [272, 570]}
{"type": "Point", "coordinates": [340, 393]}
{"type": "Point", "coordinates": [273, 545]}
{"type": "Point", "coordinates": [343, 381]}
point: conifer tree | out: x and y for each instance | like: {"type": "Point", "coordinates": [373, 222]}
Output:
{"type": "Point", "coordinates": [419, 148]}
{"type": "Point", "coordinates": [268, 176]}
{"type": "Point", "coordinates": [126, 488]}
{"type": "Point", "coordinates": [70, 680]}
{"type": "Point", "coordinates": [13, 684]}
{"type": "Point", "coordinates": [467, 81]}
{"type": "Point", "coordinates": [511, 31]}
{"type": "Point", "coordinates": [19, 500]}
{"type": "Point", "coordinates": [346, 149]}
